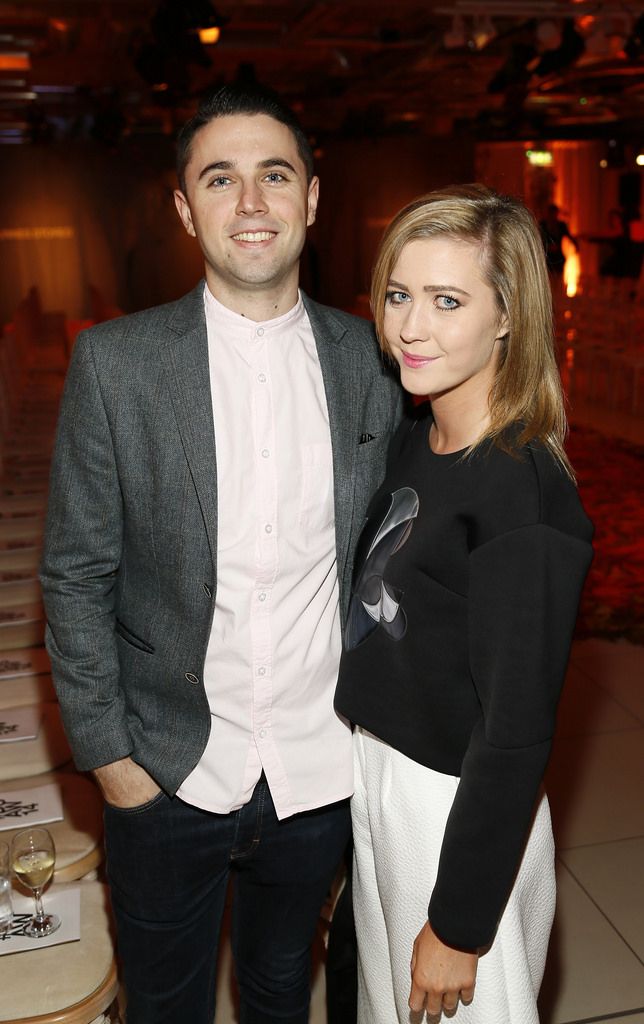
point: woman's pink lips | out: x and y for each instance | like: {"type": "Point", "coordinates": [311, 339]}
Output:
{"type": "Point", "coordinates": [415, 362]}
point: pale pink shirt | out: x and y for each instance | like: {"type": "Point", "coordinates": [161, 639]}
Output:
{"type": "Point", "coordinates": [274, 649]}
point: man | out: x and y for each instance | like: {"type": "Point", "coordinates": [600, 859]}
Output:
{"type": "Point", "coordinates": [553, 232]}
{"type": "Point", "coordinates": [213, 464]}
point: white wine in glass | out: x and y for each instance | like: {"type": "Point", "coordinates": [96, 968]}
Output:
{"type": "Point", "coordinates": [33, 856]}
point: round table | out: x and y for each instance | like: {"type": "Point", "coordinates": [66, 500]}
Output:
{"type": "Point", "coordinates": [72, 983]}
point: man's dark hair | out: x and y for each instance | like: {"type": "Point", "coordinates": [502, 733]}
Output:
{"type": "Point", "coordinates": [240, 99]}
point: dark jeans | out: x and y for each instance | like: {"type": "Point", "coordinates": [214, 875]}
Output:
{"type": "Point", "coordinates": [168, 866]}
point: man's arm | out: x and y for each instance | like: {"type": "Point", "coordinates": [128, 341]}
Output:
{"type": "Point", "coordinates": [82, 553]}
{"type": "Point", "coordinates": [125, 783]}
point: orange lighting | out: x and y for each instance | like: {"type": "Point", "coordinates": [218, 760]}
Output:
{"type": "Point", "coordinates": [15, 62]}
{"type": "Point", "coordinates": [209, 36]}
{"type": "Point", "coordinates": [572, 270]}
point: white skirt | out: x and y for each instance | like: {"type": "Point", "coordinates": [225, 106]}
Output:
{"type": "Point", "coordinates": [395, 866]}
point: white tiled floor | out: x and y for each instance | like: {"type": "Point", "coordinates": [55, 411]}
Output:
{"type": "Point", "coordinates": [595, 781]}
{"type": "Point", "coordinates": [596, 785]}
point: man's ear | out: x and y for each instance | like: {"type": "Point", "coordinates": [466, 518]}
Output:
{"type": "Point", "coordinates": [312, 199]}
{"type": "Point", "coordinates": [183, 209]}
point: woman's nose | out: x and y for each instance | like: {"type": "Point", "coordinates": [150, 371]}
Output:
{"type": "Point", "coordinates": [415, 326]}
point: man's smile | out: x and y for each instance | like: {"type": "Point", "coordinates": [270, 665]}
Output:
{"type": "Point", "coordinates": [254, 236]}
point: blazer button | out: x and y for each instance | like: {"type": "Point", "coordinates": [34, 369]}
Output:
{"type": "Point", "coordinates": [191, 677]}
{"type": "Point", "coordinates": [206, 589]}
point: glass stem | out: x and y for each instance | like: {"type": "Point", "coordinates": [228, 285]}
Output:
{"type": "Point", "coordinates": [40, 913]}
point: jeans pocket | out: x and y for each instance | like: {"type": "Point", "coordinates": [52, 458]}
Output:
{"type": "Point", "coordinates": [138, 808]}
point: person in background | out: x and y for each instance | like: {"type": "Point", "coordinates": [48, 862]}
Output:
{"type": "Point", "coordinates": [466, 587]}
{"type": "Point", "coordinates": [553, 232]}
{"type": "Point", "coordinates": [213, 463]}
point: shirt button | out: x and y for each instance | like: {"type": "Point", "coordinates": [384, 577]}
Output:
{"type": "Point", "coordinates": [260, 332]}
{"type": "Point", "coordinates": [262, 597]}
{"type": "Point", "coordinates": [191, 677]}
{"type": "Point", "coordinates": [265, 453]}
{"type": "Point", "coordinates": [261, 377]}
{"type": "Point", "coordinates": [262, 733]}
{"type": "Point", "coordinates": [268, 528]}
{"type": "Point", "coordinates": [261, 671]}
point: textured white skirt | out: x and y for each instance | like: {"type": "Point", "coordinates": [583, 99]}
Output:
{"type": "Point", "coordinates": [399, 812]}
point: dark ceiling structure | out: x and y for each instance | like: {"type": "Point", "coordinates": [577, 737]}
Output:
{"type": "Point", "coordinates": [499, 69]}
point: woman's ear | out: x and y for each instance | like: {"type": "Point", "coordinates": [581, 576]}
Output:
{"type": "Point", "coordinates": [503, 328]}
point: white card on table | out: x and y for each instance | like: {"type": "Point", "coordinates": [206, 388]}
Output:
{"type": "Point", "coordinates": [20, 723]}
{"type": "Point", "coordinates": [61, 900]}
{"type": "Point", "coordinates": [27, 661]}
{"type": "Point", "coordinates": [22, 808]}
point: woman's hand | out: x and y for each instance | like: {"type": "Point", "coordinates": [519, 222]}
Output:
{"type": "Point", "coordinates": [440, 975]}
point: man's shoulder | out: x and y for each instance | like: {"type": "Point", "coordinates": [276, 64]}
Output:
{"type": "Point", "coordinates": [332, 318]}
{"type": "Point", "coordinates": [148, 324]}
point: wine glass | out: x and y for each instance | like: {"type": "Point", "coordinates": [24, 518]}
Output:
{"type": "Point", "coordinates": [33, 856]}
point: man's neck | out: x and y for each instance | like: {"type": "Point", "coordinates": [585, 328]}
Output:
{"type": "Point", "coordinates": [259, 305]}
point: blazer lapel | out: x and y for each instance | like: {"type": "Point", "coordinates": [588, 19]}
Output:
{"type": "Point", "coordinates": [185, 356]}
{"type": "Point", "coordinates": [340, 363]}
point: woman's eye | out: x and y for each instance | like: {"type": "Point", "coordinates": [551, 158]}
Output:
{"type": "Point", "coordinates": [396, 298]}
{"type": "Point", "coordinates": [447, 302]}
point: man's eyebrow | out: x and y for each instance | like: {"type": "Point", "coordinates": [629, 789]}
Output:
{"type": "Point", "coordinates": [217, 165]}
{"type": "Point", "coordinates": [276, 161]}
{"type": "Point", "coordinates": [229, 165]}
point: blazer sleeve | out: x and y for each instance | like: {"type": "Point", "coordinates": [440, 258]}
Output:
{"type": "Point", "coordinates": [524, 593]}
{"type": "Point", "coordinates": [82, 551]}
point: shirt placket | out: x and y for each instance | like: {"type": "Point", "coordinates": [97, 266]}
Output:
{"type": "Point", "coordinates": [266, 536]}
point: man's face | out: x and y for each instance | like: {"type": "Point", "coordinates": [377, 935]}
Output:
{"type": "Point", "coordinates": [248, 204]}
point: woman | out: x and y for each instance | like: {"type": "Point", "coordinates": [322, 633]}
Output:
{"type": "Point", "coordinates": [466, 588]}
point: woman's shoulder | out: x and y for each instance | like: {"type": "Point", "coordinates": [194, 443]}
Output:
{"type": "Point", "coordinates": [531, 486]}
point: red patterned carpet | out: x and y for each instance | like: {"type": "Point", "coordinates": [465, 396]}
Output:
{"type": "Point", "coordinates": [610, 474]}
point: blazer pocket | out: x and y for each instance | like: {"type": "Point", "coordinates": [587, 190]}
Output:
{"type": "Point", "coordinates": [132, 639]}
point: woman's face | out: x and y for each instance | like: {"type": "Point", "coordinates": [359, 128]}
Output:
{"type": "Point", "coordinates": [441, 319]}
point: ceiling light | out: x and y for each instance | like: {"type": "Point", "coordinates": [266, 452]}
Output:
{"type": "Point", "coordinates": [483, 32]}
{"type": "Point", "coordinates": [639, 159]}
{"type": "Point", "coordinates": [456, 35]}
{"type": "Point", "coordinates": [209, 36]}
{"type": "Point", "coordinates": [15, 62]}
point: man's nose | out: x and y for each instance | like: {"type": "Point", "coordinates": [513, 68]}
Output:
{"type": "Point", "coordinates": [251, 199]}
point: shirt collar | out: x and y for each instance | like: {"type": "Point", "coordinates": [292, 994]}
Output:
{"type": "Point", "coordinates": [220, 315]}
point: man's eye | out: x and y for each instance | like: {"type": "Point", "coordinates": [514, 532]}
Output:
{"type": "Point", "coordinates": [274, 177]}
{"type": "Point", "coordinates": [220, 180]}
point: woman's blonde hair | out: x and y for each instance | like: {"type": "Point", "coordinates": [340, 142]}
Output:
{"type": "Point", "coordinates": [527, 387]}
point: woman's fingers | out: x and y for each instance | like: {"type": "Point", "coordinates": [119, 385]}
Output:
{"type": "Point", "coordinates": [467, 995]}
{"type": "Point", "coordinates": [440, 974]}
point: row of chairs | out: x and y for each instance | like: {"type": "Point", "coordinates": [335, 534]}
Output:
{"type": "Point", "coordinates": [600, 337]}
{"type": "Point", "coordinates": [74, 982]}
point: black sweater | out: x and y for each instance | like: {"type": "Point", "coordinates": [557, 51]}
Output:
{"type": "Point", "coordinates": [471, 569]}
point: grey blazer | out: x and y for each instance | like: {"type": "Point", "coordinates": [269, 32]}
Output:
{"type": "Point", "coordinates": [129, 571]}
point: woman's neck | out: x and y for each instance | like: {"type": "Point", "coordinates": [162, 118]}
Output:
{"type": "Point", "coordinates": [460, 418]}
